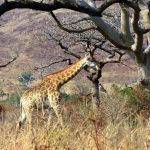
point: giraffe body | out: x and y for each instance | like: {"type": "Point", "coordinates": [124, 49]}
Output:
{"type": "Point", "coordinates": [49, 89]}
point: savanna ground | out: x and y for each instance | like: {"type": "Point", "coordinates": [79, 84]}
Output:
{"type": "Point", "coordinates": [122, 122]}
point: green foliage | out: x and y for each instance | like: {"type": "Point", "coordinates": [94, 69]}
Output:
{"type": "Point", "coordinates": [66, 96]}
{"type": "Point", "coordinates": [146, 93]}
{"type": "Point", "coordinates": [13, 98]}
{"type": "Point", "coordinates": [125, 93]}
{"type": "Point", "coordinates": [2, 93]}
{"type": "Point", "coordinates": [25, 78]}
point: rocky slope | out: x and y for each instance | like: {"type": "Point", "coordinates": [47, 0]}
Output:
{"type": "Point", "coordinates": [19, 35]}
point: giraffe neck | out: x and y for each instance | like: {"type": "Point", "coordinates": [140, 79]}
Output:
{"type": "Point", "coordinates": [63, 76]}
{"type": "Point", "coordinates": [70, 72]}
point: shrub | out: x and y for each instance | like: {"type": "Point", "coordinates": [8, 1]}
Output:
{"type": "Point", "coordinates": [2, 93]}
{"type": "Point", "coordinates": [66, 96]}
{"type": "Point", "coordinates": [13, 98]}
{"type": "Point", "coordinates": [25, 78]}
{"type": "Point", "coordinates": [126, 93]}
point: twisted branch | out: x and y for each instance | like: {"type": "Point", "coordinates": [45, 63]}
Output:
{"type": "Point", "coordinates": [70, 30]}
{"type": "Point", "coordinates": [2, 66]}
{"type": "Point", "coordinates": [56, 62]}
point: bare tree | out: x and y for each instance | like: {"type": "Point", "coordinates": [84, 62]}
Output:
{"type": "Point", "coordinates": [133, 35]}
{"type": "Point", "coordinates": [74, 40]}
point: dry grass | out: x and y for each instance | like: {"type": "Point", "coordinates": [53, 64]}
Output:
{"type": "Point", "coordinates": [114, 126]}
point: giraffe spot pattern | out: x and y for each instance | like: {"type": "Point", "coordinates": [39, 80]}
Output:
{"type": "Point", "coordinates": [49, 87]}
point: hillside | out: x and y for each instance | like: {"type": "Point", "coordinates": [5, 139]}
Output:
{"type": "Point", "coordinates": [20, 32]}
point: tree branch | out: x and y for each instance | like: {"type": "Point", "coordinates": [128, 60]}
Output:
{"type": "Point", "coordinates": [125, 24]}
{"type": "Point", "coordinates": [78, 21]}
{"type": "Point", "coordinates": [53, 5]}
{"type": "Point", "coordinates": [70, 30]}
{"type": "Point", "coordinates": [2, 66]}
{"type": "Point", "coordinates": [138, 39]}
{"type": "Point", "coordinates": [67, 51]}
{"type": "Point", "coordinates": [56, 62]}
{"type": "Point", "coordinates": [109, 32]}
{"type": "Point", "coordinates": [79, 6]}
{"type": "Point", "coordinates": [118, 60]}
{"type": "Point", "coordinates": [145, 13]}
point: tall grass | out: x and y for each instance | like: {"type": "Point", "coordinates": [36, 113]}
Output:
{"type": "Point", "coordinates": [117, 125]}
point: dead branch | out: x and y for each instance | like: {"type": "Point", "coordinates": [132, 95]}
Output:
{"type": "Point", "coordinates": [56, 62]}
{"type": "Point", "coordinates": [70, 30]}
{"type": "Point", "coordinates": [66, 50]}
{"type": "Point", "coordinates": [125, 24]}
{"type": "Point", "coordinates": [52, 5]}
{"type": "Point", "coordinates": [138, 39]}
{"type": "Point", "coordinates": [78, 21]}
{"type": "Point", "coordinates": [79, 6]}
{"type": "Point", "coordinates": [145, 13]}
{"type": "Point", "coordinates": [115, 60]}
{"type": "Point", "coordinates": [2, 66]}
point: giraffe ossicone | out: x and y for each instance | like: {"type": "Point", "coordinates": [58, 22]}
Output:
{"type": "Point", "coordinates": [49, 88]}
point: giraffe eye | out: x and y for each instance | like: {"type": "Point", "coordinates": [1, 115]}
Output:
{"type": "Point", "coordinates": [89, 59]}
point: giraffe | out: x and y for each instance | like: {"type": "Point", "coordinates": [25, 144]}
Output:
{"type": "Point", "coordinates": [49, 89]}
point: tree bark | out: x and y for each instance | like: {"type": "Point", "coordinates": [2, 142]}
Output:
{"type": "Point", "coordinates": [94, 78]}
{"type": "Point", "coordinates": [142, 55]}
{"type": "Point", "coordinates": [144, 73]}
{"type": "Point", "coordinates": [95, 94]}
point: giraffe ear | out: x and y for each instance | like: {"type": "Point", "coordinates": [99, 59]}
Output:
{"type": "Point", "coordinates": [87, 54]}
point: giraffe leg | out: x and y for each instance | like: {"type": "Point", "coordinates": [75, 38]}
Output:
{"type": "Point", "coordinates": [26, 115]}
{"type": "Point", "coordinates": [22, 117]}
{"type": "Point", "coordinates": [54, 102]}
{"type": "Point", "coordinates": [50, 118]}
{"type": "Point", "coordinates": [29, 118]}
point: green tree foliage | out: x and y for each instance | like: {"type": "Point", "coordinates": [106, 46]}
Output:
{"type": "Point", "coordinates": [12, 98]}
{"type": "Point", "coordinates": [25, 79]}
{"type": "Point", "coordinates": [2, 93]}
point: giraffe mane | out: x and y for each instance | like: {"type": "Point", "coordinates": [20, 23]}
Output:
{"type": "Point", "coordinates": [59, 71]}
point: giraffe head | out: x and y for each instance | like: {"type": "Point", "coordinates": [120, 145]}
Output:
{"type": "Point", "coordinates": [90, 61]}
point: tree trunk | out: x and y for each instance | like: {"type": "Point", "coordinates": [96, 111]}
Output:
{"type": "Point", "coordinates": [95, 94]}
{"type": "Point", "coordinates": [94, 78]}
{"type": "Point", "coordinates": [144, 74]}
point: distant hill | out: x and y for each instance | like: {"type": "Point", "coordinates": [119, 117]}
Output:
{"type": "Point", "coordinates": [19, 34]}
